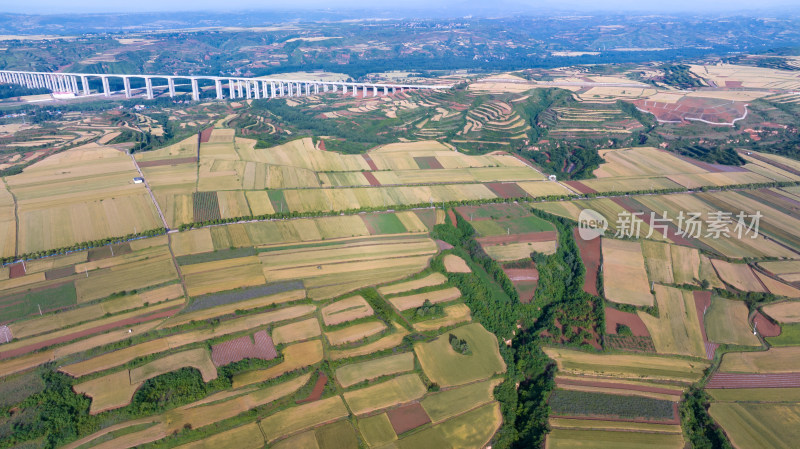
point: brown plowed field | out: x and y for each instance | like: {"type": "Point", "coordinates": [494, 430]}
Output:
{"type": "Point", "coordinates": [316, 392]}
{"type": "Point", "coordinates": [522, 274]}
{"type": "Point", "coordinates": [614, 317]}
{"type": "Point", "coordinates": [373, 181]}
{"type": "Point", "coordinates": [176, 161]}
{"type": "Point", "coordinates": [370, 162]}
{"type": "Point", "coordinates": [87, 332]}
{"type": "Point", "coordinates": [590, 255]}
{"type": "Point", "coordinates": [766, 327]}
{"type": "Point", "coordinates": [244, 348]}
{"type": "Point", "coordinates": [702, 300]}
{"type": "Point", "coordinates": [693, 108]}
{"type": "Point", "coordinates": [205, 135]}
{"type": "Point", "coordinates": [732, 380]}
{"type": "Point", "coordinates": [16, 270]}
{"type": "Point", "coordinates": [580, 187]}
{"type": "Point", "coordinates": [59, 273]}
{"type": "Point", "coordinates": [543, 236]}
{"type": "Point", "coordinates": [407, 417]}
{"type": "Point", "coordinates": [442, 245]}
{"type": "Point", "coordinates": [452, 216]}
{"type": "Point", "coordinates": [507, 190]}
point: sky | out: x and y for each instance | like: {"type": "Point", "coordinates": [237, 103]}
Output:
{"type": "Point", "coordinates": [459, 7]}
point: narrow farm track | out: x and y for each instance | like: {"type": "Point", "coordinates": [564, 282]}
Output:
{"type": "Point", "coordinates": [16, 218]}
{"type": "Point", "coordinates": [152, 196]}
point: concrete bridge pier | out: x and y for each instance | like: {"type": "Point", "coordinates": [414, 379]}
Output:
{"type": "Point", "coordinates": [218, 88]}
{"type": "Point", "coordinates": [85, 84]}
{"type": "Point", "coordinates": [355, 90]}
{"type": "Point", "coordinates": [385, 90]}
{"type": "Point", "coordinates": [74, 85]}
{"type": "Point", "coordinates": [364, 94]}
{"type": "Point", "coordinates": [126, 82]}
{"type": "Point", "coordinates": [195, 90]}
{"type": "Point", "coordinates": [247, 89]}
{"type": "Point", "coordinates": [231, 90]}
{"type": "Point", "coordinates": [171, 86]}
{"type": "Point", "coordinates": [316, 89]}
{"type": "Point", "coordinates": [271, 89]}
{"type": "Point", "coordinates": [374, 91]}
{"type": "Point", "coordinates": [239, 88]}
{"type": "Point", "coordinates": [148, 85]}
{"type": "Point", "coordinates": [106, 89]}
{"type": "Point", "coordinates": [289, 89]}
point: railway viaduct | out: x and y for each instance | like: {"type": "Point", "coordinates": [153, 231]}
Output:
{"type": "Point", "coordinates": [225, 87]}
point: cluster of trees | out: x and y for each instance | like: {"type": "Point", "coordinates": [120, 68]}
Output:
{"type": "Point", "coordinates": [716, 155]}
{"type": "Point", "coordinates": [459, 345]}
{"type": "Point", "coordinates": [697, 424]}
{"type": "Point", "coordinates": [83, 246]}
{"type": "Point", "coordinates": [679, 75]}
{"type": "Point", "coordinates": [428, 309]}
{"type": "Point", "coordinates": [15, 90]}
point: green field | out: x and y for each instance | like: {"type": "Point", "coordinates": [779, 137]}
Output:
{"type": "Point", "coordinates": [790, 335]}
{"type": "Point", "coordinates": [755, 394]}
{"type": "Point", "coordinates": [449, 403]}
{"type": "Point", "coordinates": [339, 435]}
{"type": "Point", "coordinates": [385, 223]}
{"type": "Point", "coordinates": [584, 403]}
{"type": "Point", "coordinates": [519, 225]}
{"type": "Point", "coordinates": [726, 322]}
{"type": "Point", "coordinates": [371, 369]}
{"type": "Point", "coordinates": [758, 426]}
{"type": "Point", "coordinates": [23, 305]}
{"type": "Point", "coordinates": [385, 394]}
{"type": "Point", "coordinates": [447, 368]}
{"type": "Point", "coordinates": [377, 430]}
{"type": "Point", "coordinates": [598, 439]}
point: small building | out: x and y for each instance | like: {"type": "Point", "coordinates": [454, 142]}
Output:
{"type": "Point", "coordinates": [552, 177]}
{"type": "Point", "coordinates": [138, 180]}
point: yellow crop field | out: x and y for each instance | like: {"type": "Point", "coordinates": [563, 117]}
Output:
{"type": "Point", "coordinates": [259, 202]}
{"type": "Point", "coordinates": [387, 342]}
{"type": "Point", "coordinates": [411, 221]}
{"type": "Point", "coordinates": [301, 330]}
{"type": "Point", "coordinates": [758, 425]}
{"type": "Point", "coordinates": [108, 392]}
{"type": "Point", "coordinates": [125, 355]}
{"type": "Point", "coordinates": [345, 310]}
{"type": "Point", "coordinates": [457, 313]}
{"type": "Point", "coordinates": [295, 356]}
{"type": "Point", "coordinates": [521, 250]}
{"type": "Point", "coordinates": [454, 401]}
{"type": "Point", "coordinates": [196, 415]}
{"type": "Point", "coordinates": [777, 287]}
{"type": "Point", "coordinates": [677, 329]}
{"type": "Point", "coordinates": [775, 360]}
{"type": "Point", "coordinates": [435, 296]}
{"type": "Point", "coordinates": [642, 161]}
{"type": "Point", "coordinates": [738, 275]}
{"type": "Point", "coordinates": [658, 261]}
{"type": "Point", "coordinates": [595, 424]}
{"type": "Point", "coordinates": [248, 436]}
{"type": "Point", "coordinates": [104, 282]}
{"type": "Point", "coordinates": [197, 358]}
{"type": "Point", "coordinates": [444, 366]}
{"type": "Point", "coordinates": [398, 390]}
{"type": "Point", "coordinates": [727, 322]}
{"type": "Point", "coordinates": [755, 394]}
{"type": "Point", "coordinates": [455, 264]}
{"type": "Point", "coordinates": [354, 333]}
{"type": "Point", "coordinates": [302, 417]}
{"type": "Point", "coordinates": [624, 273]}
{"type": "Point", "coordinates": [376, 430]}
{"type": "Point", "coordinates": [685, 264]}
{"type": "Point", "coordinates": [784, 312]}
{"type": "Point", "coordinates": [192, 242]}
{"type": "Point", "coordinates": [427, 281]}
{"type": "Point", "coordinates": [306, 439]}
{"type": "Point", "coordinates": [354, 373]}
{"type": "Point", "coordinates": [474, 428]}
{"type": "Point", "coordinates": [707, 272]}
{"type": "Point", "coordinates": [788, 270]}
{"type": "Point", "coordinates": [8, 224]}
{"type": "Point", "coordinates": [627, 365]}
{"type": "Point", "coordinates": [224, 279]}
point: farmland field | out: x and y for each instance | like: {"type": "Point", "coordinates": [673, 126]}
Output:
{"type": "Point", "coordinates": [758, 425]}
{"type": "Point", "coordinates": [448, 368]}
{"type": "Point", "coordinates": [726, 322]}
{"type": "Point", "coordinates": [625, 274]}
{"type": "Point", "coordinates": [398, 390]}
{"type": "Point", "coordinates": [784, 312]}
{"type": "Point", "coordinates": [628, 366]}
{"type": "Point", "coordinates": [776, 360]}
{"type": "Point", "coordinates": [677, 329]}
{"type": "Point", "coordinates": [568, 439]}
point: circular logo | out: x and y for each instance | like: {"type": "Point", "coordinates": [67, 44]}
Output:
{"type": "Point", "coordinates": [591, 224]}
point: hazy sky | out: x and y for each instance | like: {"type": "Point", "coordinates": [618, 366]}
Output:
{"type": "Point", "coordinates": [459, 6]}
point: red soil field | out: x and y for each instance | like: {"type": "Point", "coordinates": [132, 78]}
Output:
{"type": "Point", "coordinates": [428, 163]}
{"type": "Point", "coordinates": [316, 392]}
{"type": "Point", "coordinates": [407, 417]}
{"type": "Point", "coordinates": [622, 386]}
{"type": "Point", "coordinates": [590, 255]}
{"type": "Point", "coordinates": [370, 162]}
{"type": "Point", "coordinates": [373, 181]}
{"type": "Point", "coordinates": [522, 274]}
{"type": "Point", "coordinates": [322, 145]}
{"type": "Point", "coordinates": [580, 187]}
{"type": "Point", "coordinates": [243, 348]}
{"type": "Point", "coordinates": [59, 273]}
{"type": "Point", "coordinates": [688, 109]}
{"type": "Point", "coordinates": [176, 161]}
{"type": "Point", "coordinates": [764, 326]}
{"type": "Point", "coordinates": [452, 216]}
{"type": "Point", "coordinates": [205, 135]}
{"type": "Point", "coordinates": [507, 190]}
{"type": "Point", "coordinates": [632, 320]}
{"type": "Point", "coordinates": [702, 300]}
{"type": "Point", "coordinates": [92, 331]}
{"type": "Point", "coordinates": [542, 236]}
{"type": "Point", "coordinates": [16, 270]}
{"type": "Point", "coordinates": [733, 380]}
{"type": "Point", "coordinates": [733, 84]}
